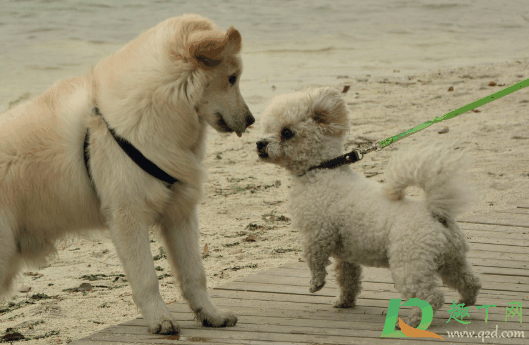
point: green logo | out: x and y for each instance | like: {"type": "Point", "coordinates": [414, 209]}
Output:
{"type": "Point", "coordinates": [407, 331]}
{"type": "Point", "coordinates": [457, 312]}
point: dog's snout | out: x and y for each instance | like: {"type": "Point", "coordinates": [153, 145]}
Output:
{"type": "Point", "coordinates": [262, 152]}
{"type": "Point", "coordinates": [249, 119]}
{"type": "Point", "coordinates": [261, 144]}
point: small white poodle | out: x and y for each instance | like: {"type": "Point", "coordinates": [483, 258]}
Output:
{"type": "Point", "coordinates": [358, 221]}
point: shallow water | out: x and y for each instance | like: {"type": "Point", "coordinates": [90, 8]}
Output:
{"type": "Point", "coordinates": [286, 43]}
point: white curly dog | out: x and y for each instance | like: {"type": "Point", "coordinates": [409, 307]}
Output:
{"type": "Point", "coordinates": [357, 221]}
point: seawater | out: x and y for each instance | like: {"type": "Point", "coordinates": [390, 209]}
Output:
{"type": "Point", "coordinates": [287, 43]}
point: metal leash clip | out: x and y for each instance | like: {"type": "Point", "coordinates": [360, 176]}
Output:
{"type": "Point", "coordinates": [375, 147]}
{"type": "Point", "coordinates": [360, 153]}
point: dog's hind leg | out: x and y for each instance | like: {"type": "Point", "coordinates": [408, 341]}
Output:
{"type": "Point", "coordinates": [348, 278]}
{"type": "Point", "coordinates": [9, 255]}
{"type": "Point", "coordinates": [458, 274]}
{"type": "Point", "coordinates": [413, 281]}
{"type": "Point", "coordinates": [180, 231]}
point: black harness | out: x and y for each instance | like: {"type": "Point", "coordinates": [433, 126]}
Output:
{"type": "Point", "coordinates": [134, 154]}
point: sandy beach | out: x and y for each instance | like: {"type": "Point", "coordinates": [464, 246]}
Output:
{"type": "Point", "coordinates": [245, 223]}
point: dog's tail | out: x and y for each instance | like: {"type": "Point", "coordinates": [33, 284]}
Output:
{"type": "Point", "coordinates": [437, 169]}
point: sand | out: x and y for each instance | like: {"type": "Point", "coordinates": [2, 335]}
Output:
{"type": "Point", "coordinates": [244, 218]}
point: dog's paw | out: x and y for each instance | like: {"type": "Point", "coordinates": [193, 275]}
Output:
{"type": "Point", "coordinates": [316, 285]}
{"type": "Point", "coordinates": [340, 302]}
{"type": "Point", "coordinates": [164, 326]}
{"type": "Point", "coordinates": [412, 321]}
{"type": "Point", "coordinates": [222, 319]}
{"type": "Point", "coordinates": [471, 300]}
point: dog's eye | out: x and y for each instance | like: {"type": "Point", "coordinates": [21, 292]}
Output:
{"type": "Point", "coordinates": [232, 79]}
{"type": "Point", "coordinates": [286, 133]}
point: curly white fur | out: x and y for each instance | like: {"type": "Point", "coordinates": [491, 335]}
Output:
{"type": "Point", "coordinates": [437, 170]}
{"type": "Point", "coordinates": [342, 214]}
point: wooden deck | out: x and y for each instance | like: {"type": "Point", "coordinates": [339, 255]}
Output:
{"type": "Point", "coordinates": [275, 307]}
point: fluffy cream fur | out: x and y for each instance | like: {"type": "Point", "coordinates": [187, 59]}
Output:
{"type": "Point", "coordinates": [342, 214]}
{"type": "Point", "coordinates": [159, 92]}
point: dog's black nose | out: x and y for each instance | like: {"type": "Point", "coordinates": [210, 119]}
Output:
{"type": "Point", "coordinates": [249, 119]}
{"type": "Point", "coordinates": [261, 144]}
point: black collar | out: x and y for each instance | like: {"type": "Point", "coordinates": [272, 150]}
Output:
{"type": "Point", "coordinates": [348, 158]}
{"type": "Point", "coordinates": [134, 154]}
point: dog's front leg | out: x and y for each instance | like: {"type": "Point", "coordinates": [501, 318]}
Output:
{"type": "Point", "coordinates": [317, 258]}
{"type": "Point", "coordinates": [131, 237]}
{"type": "Point", "coordinates": [180, 231]}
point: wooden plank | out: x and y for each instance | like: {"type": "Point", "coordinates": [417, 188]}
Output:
{"type": "Point", "coordinates": [271, 338]}
{"type": "Point", "coordinates": [498, 248]}
{"type": "Point", "coordinates": [516, 274]}
{"type": "Point", "coordinates": [267, 332]}
{"type": "Point", "coordinates": [363, 312]}
{"type": "Point", "coordinates": [285, 277]}
{"type": "Point", "coordinates": [496, 218]}
{"type": "Point", "coordinates": [478, 254]}
{"type": "Point", "coordinates": [500, 263]}
{"type": "Point", "coordinates": [367, 285]}
{"type": "Point", "coordinates": [182, 341]}
{"type": "Point", "coordinates": [191, 333]}
{"type": "Point", "coordinates": [302, 266]}
{"type": "Point", "coordinates": [314, 299]}
{"type": "Point", "coordinates": [495, 296]}
{"type": "Point", "coordinates": [509, 246]}
{"type": "Point", "coordinates": [371, 292]}
{"type": "Point", "coordinates": [364, 305]}
{"type": "Point", "coordinates": [494, 229]}
{"type": "Point", "coordinates": [335, 318]}
{"type": "Point", "coordinates": [212, 335]}
{"type": "Point", "coordinates": [372, 274]}
{"type": "Point", "coordinates": [322, 327]}
{"type": "Point", "coordinates": [518, 240]}
{"type": "Point", "coordinates": [325, 328]}
{"type": "Point", "coordinates": [511, 235]}
{"type": "Point", "coordinates": [510, 272]}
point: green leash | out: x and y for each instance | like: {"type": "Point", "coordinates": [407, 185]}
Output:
{"type": "Point", "coordinates": [473, 105]}
{"type": "Point", "coordinates": [358, 154]}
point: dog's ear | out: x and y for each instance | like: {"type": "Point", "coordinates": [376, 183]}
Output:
{"type": "Point", "coordinates": [206, 53]}
{"type": "Point", "coordinates": [206, 48]}
{"type": "Point", "coordinates": [324, 120]}
{"type": "Point", "coordinates": [320, 117]}
{"type": "Point", "coordinates": [329, 111]}
{"type": "Point", "coordinates": [234, 40]}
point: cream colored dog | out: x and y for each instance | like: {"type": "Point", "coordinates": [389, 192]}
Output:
{"type": "Point", "coordinates": [342, 214]}
{"type": "Point", "coordinates": [158, 93]}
